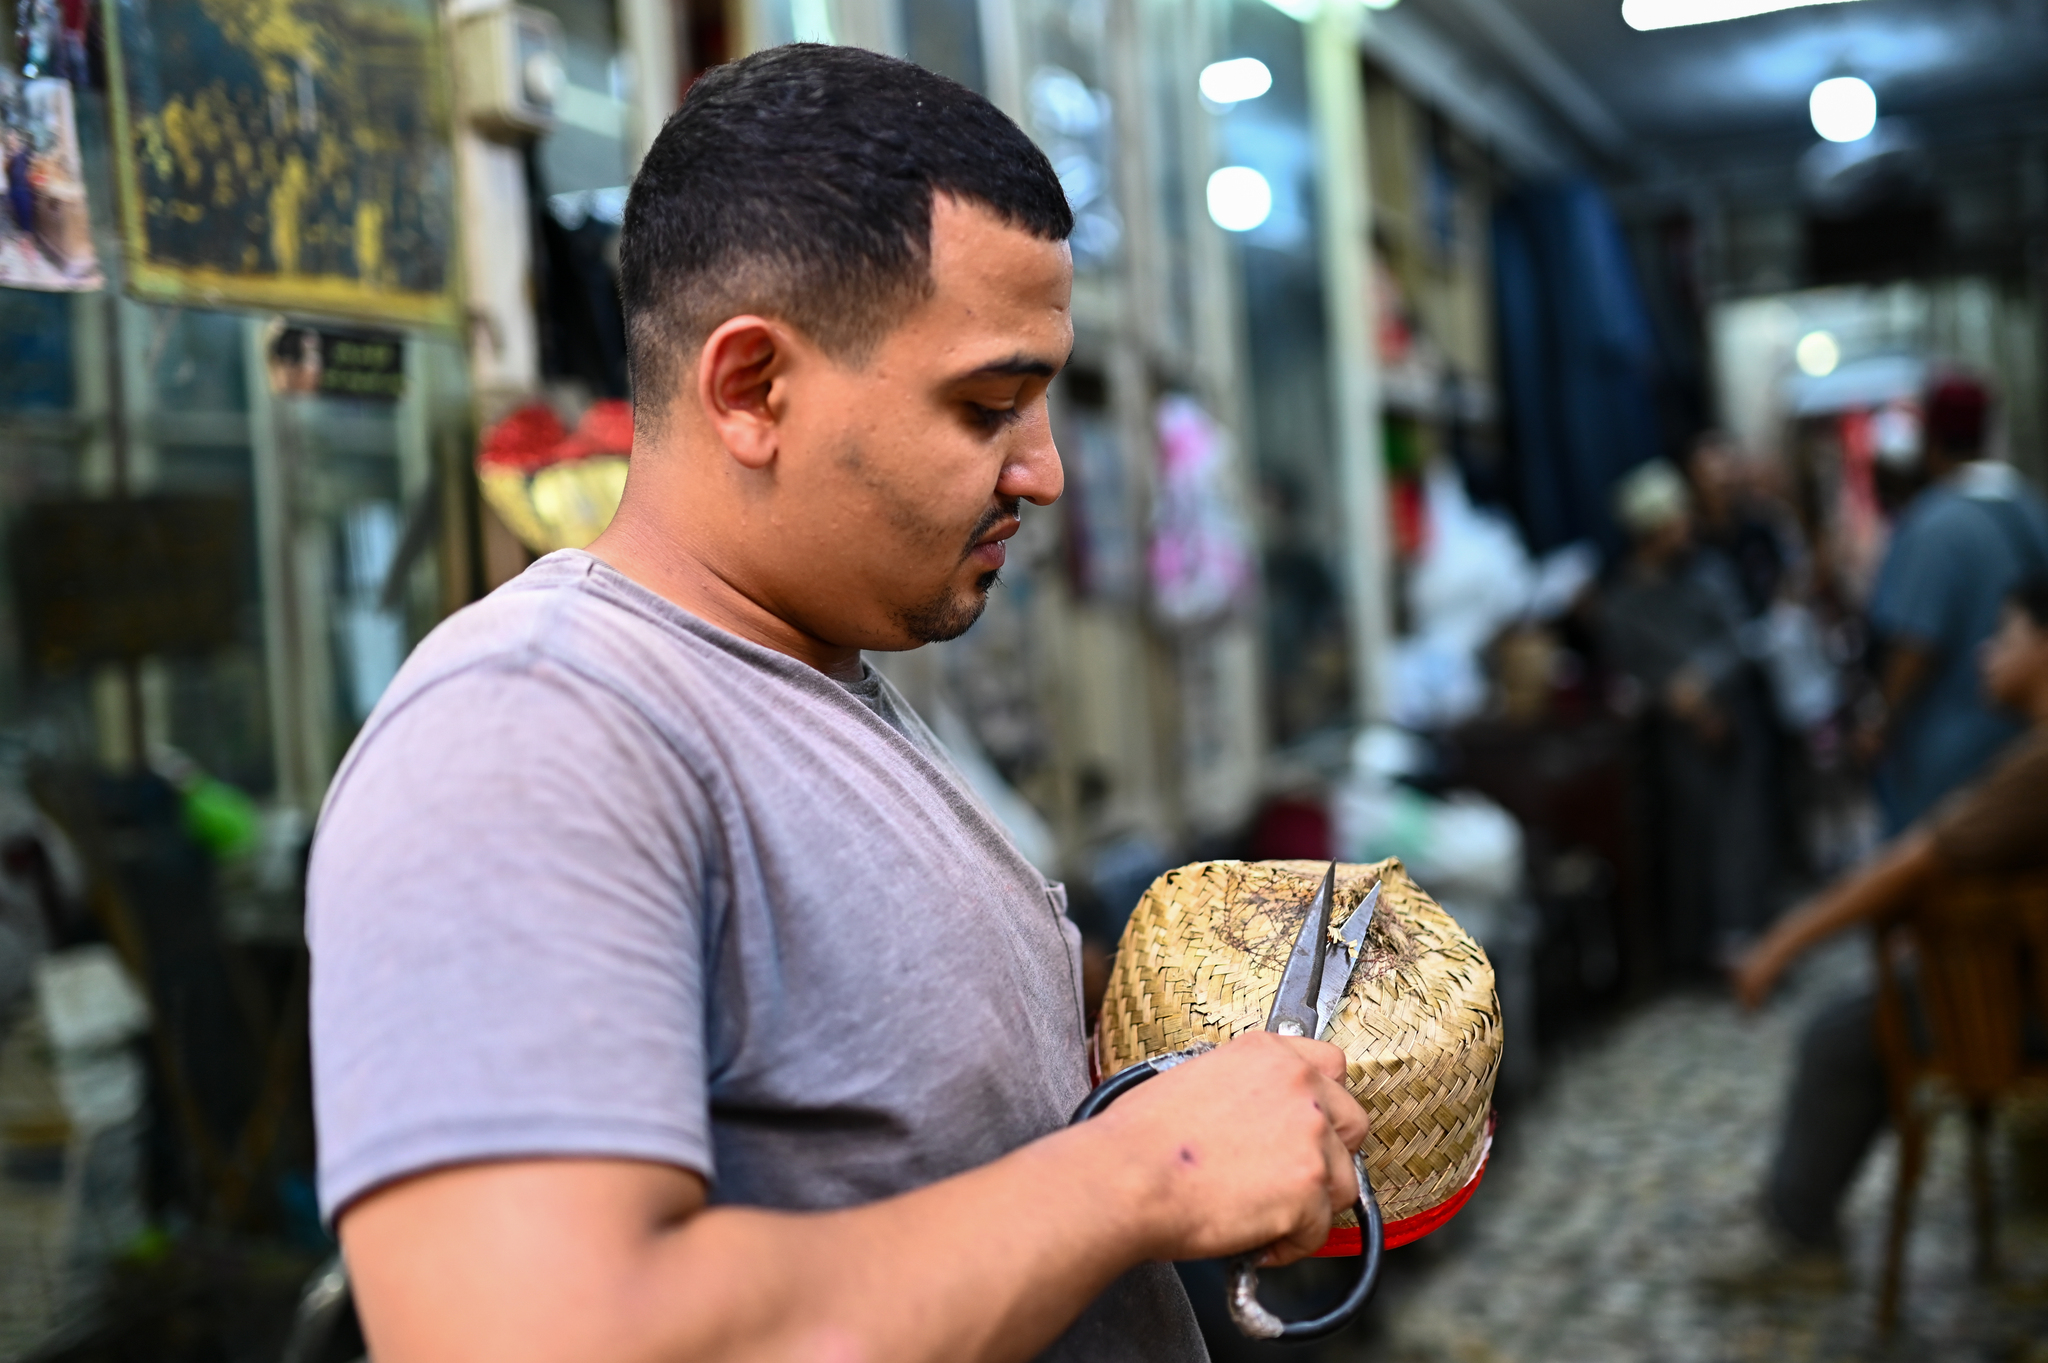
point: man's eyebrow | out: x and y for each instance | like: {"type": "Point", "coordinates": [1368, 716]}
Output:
{"type": "Point", "coordinates": [1016, 367]}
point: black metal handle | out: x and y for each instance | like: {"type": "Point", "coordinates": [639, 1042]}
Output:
{"type": "Point", "coordinates": [1250, 1315]}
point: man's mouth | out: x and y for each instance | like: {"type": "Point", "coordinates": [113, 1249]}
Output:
{"type": "Point", "coordinates": [985, 549]}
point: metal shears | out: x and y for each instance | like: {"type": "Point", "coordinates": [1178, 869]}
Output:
{"type": "Point", "coordinates": [1311, 990]}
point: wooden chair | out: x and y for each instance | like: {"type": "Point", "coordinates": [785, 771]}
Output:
{"type": "Point", "coordinates": [1979, 948]}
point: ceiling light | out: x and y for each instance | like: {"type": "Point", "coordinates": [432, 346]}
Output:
{"type": "Point", "coordinates": [1844, 109]}
{"type": "Point", "coordinates": [1818, 353]}
{"type": "Point", "coordinates": [1239, 198]}
{"type": "Point", "coordinates": [1648, 14]}
{"type": "Point", "coordinates": [1236, 80]}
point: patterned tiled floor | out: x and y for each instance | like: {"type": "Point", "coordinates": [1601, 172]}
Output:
{"type": "Point", "coordinates": [1633, 1174]}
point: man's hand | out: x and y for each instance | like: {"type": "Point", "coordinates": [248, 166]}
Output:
{"type": "Point", "coordinates": [1690, 697]}
{"type": "Point", "coordinates": [1253, 1143]}
{"type": "Point", "coordinates": [1757, 973]}
{"type": "Point", "coordinates": [1880, 887]}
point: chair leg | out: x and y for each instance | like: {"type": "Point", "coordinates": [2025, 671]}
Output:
{"type": "Point", "coordinates": [1983, 1206]}
{"type": "Point", "coordinates": [1912, 1155]}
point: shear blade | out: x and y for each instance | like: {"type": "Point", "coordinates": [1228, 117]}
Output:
{"type": "Point", "coordinates": [1301, 983]}
{"type": "Point", "coordinates": [1342, 959]}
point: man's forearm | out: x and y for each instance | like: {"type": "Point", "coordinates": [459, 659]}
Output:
{"type": "Point", "coordinates": [620, 1261]}
{"type": "Point", "coordinates": [1872, 892]}
{"type": "Point", "coordinates": [1905, 672]}
{"type": "Point", "coordinates": [990, 1265]}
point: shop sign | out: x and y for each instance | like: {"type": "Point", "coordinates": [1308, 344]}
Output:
{"type": "Point", "coordinates": [337, 364]}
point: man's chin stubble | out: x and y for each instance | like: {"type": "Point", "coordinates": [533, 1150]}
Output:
{"type": "Point", "coordinates": [946, 616]}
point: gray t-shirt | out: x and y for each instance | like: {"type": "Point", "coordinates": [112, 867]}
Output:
{"type": "Point", "coordinates": [601, 879]}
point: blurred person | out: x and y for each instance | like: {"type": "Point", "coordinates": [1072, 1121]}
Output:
{"type": "Point", "coordinates": [1729, 522]}
{"type": "Point", "coordinates": [1669, 626]}
{"type": "Point", "coordinates": [1752, 528]}
{"type": "Point", "coordinates": [1958, 549]}
{"type": "Point", "coordinates": [1836, 1104]}
{"type": "Point", "coordinates": [673, 996]}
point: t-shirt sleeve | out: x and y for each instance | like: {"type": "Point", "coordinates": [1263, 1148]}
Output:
{"type": "Point", "coordinates": [2000, 824]}
{"type": "Point", "coordinates": [504, 907]}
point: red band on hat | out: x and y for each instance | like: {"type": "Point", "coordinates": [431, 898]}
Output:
{"type": "Point", "coordinates": [1348, 1240]}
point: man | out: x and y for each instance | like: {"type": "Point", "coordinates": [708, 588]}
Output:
{"type": "Point", "coordinates": [1837, 1103]}
{"type": "Point", "coordinates": [673, 999]}
{"type": "Point", "coordinates": [1669, 626]}
{"type": "Point", "coordinates": [1731, 522]}
{"type": "Point", "coordinates": [1959, 547]}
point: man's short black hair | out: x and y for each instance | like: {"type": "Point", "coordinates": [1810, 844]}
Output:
{"type": "Point", "coordinates": [2030, 597]}
{"type": "Point", "coordinates": [797, 183]}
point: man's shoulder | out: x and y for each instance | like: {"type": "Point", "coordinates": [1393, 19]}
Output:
{"type": "Point", "coordinates": [566, 648]}
{"type": "Point", "coordinates": [1941, 533]}
{"type": "Point", "coordinates": [578, 623]}
{"type": "Point", "coordinates": [1938, 511]}
{"type": "Point", "coordinates": [1958, 506]}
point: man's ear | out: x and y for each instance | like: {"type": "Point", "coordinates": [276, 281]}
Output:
{"type": "Point", "coordinates": [740, 386]}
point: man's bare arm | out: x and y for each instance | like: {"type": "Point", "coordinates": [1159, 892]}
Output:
{"type": "Point", "coordinates": [1905, 672]}
{"type": "Point", "coordinates": [1879, 887]}
{"type": "Point", "coordinates": [615, 1261]}
{"type": "Point", "coordinates": [1908, 664]}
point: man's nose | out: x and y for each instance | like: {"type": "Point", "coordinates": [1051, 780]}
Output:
{"type": "Point", "coordinates": [1033, 470]}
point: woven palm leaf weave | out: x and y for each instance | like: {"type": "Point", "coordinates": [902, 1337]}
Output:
{"type": "Point", "coordinates": [1201, 959]}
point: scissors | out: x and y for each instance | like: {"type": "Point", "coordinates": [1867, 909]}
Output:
{"type": "Point", "coordinates": [1311, 990]}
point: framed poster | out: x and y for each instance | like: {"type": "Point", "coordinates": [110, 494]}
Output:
{"type": "Point", "coordinates": [45, 232]}
{"type": "Point", "coordinates": [292, 155]}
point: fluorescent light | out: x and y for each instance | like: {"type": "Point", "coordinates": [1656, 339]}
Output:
{"type": "Point", "coordinates": [1239, 198]}
{"type": "Point", "coordinates": [1844, 109]}
{"type": "Point", "coordinates": [1644, 15]}
{"type": "Point", "coordinates": [1236, 80]}
{"type": "Point", "coordinates": [1818, 353]}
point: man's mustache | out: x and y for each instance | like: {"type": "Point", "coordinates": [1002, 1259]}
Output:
{"type": "Point", "coordinates": [990, 518]}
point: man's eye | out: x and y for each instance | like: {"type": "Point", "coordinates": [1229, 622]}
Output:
{"type": "Point", "coordinates": [993, 418]}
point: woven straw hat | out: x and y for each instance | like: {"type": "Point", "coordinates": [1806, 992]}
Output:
{"type": "Point", "coordinates": [1201, 959]}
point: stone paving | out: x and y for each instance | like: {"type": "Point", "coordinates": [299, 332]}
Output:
{"type": "Point", "coordinates": [1634, 1173]}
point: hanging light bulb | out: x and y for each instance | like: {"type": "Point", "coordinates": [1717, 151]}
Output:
{"type": "Point", "coordinates": [1818, 354]}
{"type": "Point", "coordinates": [1236, 80]}
{"type": "Point", "coordinates": [1239, 198]}
{"type": "Point", "coordinates": [1844, 109]}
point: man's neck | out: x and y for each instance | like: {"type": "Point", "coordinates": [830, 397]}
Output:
{"type": "Point", "coordinates": [670, 568]}
{"type": "Point", "coordinates": [1947, 468]}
